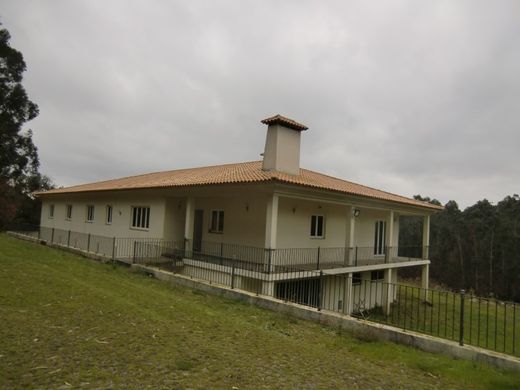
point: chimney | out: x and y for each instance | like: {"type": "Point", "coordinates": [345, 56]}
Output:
{"type": "Point", "coordinates": [282, 145]}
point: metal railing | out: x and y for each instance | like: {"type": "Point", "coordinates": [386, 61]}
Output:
{"type": "Point", "coordinates": [461, 317]}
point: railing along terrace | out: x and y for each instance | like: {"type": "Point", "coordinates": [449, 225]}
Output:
{"type": "Point", "coordinates": [461, 317]}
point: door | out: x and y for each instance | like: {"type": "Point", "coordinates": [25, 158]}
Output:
{"type": "Point", "coordinates": [197, 230]}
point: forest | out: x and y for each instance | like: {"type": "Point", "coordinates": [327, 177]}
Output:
{"type": "Point", "coordinates": [476, 249]}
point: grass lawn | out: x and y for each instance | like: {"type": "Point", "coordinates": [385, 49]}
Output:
{"type": "Point", "coordinates": [68, 322]}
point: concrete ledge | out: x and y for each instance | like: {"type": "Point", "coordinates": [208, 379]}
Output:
{"type": "Point", "coordinates": [364, 329]}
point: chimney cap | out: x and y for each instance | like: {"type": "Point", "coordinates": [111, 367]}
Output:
{"type": "Point", "coordinates": [279, 119]}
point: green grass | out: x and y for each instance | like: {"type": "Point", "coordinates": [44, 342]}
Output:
{"type": "Point", "coordinates": [69, 322]}
{"type": "Point", "coordinates": [487, 323]}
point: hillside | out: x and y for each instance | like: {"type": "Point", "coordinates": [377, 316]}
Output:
{"type": "Point", "coordinates": [69, 322]}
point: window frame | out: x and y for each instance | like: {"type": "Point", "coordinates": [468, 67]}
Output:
{"type": "Point", "coordinates": [377, 275]}
{"type": "Point", "coordinates": [216, 225]}
{"type": "Point", "coordinates": [380, 238]}
{"type": "Point", "coordinates": [51, 210]}
{"type": "Point", "coordinates": [315, 222]}
{"type": "Point", "coordinates": [109, 214]}
{"type": "Point", "coordinates": [138, 219]}
{"type": "Point", "coordinates": [89, 217]}
{"type": "Point", "coordinates": [68, 212]}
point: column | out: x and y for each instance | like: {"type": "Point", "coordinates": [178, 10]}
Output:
{"type": "Point", "coordinates": [188, 226]}
{"type": "Point", "coordinates": [351, 237]}
{"type": "Point", "coordinates": [348, 299]}
{"type": "Point", "coordinates": [388, 293]}
{"type": "Point", "coordinates": [389, 239]}
{"type": "Point", "coordinates": [425, 278]}
{"type": "Point", "coordinates": [426, 237]}
{"type": "Point", "coordinates": [271, 227]}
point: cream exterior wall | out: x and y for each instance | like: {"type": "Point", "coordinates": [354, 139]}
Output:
{"type": "Point", "coordinates": [121, 214]}
{"type": "Point", "coordinates": [294, 228]}
{"type": "Point", "coordinates": [365, 227]}
{"type": "Point", "coordinates": [174, 218]}
{"type": "Point", "coordinates": [244, 219]}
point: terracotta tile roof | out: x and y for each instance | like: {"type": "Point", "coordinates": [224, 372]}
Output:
{"type": "Point", "coordinates": [292, 124]}
{"type": "Point", "coordinates": [248, 172]}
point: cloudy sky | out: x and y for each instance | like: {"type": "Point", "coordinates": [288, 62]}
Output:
{"type": "Point", "coordinates": [406, 96]}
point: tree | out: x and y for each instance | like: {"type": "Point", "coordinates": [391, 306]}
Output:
{"type": "Point", "coordinates": [19, 162]}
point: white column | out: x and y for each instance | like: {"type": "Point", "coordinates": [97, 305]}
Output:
{"type": "Point", "coordinates": [188, 224]}
{"type": "Point", "coordinates": [388, 291]}
{"type": "Point", "coordinates": [352, 236]}
{"type": "Point", "coordinates": [271, 222]}
{"type": "Point", "coordinates": [271, 226]}
{"type": "Point", "coordinates": [348, 299]}
{"type": "Point", "coordinates": [390, 236]}
{"type": "Point", "coordinates": [425, 280]}
{"type": "Point", "coordinates": [426, 237]}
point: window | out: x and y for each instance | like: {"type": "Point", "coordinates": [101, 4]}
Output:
{"type": "Point", "coordinates": [90, 213]}
{"type": "Point", "coordinates": [317, 226]}
{"type": "Point", "coordinates": [356, 278]}
{"type": "Point", "coordinates": [68, 214]}
{"type": "Point", "coordinates": [379, 238]}
{"type": "Point", "coordinates": [108, 216]}
{"type": "Point", "coordinates": [51, 211]}
{"type": "Point", "coordinates": [377, 275]}
{"type": "Point", "coordinates": [217, 221]}
{"type": "Point", "coordinates": [140, 217]}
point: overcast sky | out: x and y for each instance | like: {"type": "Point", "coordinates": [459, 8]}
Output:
{"type": "Point", "coordinates": [406, 96]}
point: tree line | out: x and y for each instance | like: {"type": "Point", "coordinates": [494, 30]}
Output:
{"type": "Point", "coordinates": [476, 249]}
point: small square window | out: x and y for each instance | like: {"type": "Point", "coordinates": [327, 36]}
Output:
{"type": "Point", "coordinates": [317, 226]}
{"type": "Point", "coordinates": [68, 214]}
{"type": "Point", "coordinates": [108, 216]}
{"type": "Point", "coordinates": [217, 221]}
{"type": "Point", "coordinates": [51, 211]}
{"type": "Point", "coordinates": [90, 213]}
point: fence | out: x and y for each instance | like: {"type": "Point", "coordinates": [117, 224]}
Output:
{"type": "Point", "coordinates": [299, 276]}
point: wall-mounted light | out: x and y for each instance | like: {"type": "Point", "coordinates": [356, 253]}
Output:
{"type": "Point", "coordinates": [294, 210]}
{"type": "Point", "coordinates": [356, 212]}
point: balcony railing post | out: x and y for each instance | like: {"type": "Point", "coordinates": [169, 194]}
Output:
{"type": "Point", "coordinates": [356, 256]}
{"type": "Point", "coordinates": [461, 335]}
{"type": "Point", "coordinates": [318, 260]}
{"type": "Point", "coordinates": [68, 239]}
{"type": "Point", "coordinates": [135, 252]}
{"type": "Point", "coordinates": [88, 243]}
{"type": "Point", "coordinates": [387, 254]}
{"type": "Point", "coordinates": [52, 236]}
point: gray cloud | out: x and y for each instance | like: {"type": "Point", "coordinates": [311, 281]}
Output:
{"type": "Point", "coordinates": [406, 96]}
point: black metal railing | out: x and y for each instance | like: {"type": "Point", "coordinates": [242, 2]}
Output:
{"type": "Point", "coordinates": [457, 316]}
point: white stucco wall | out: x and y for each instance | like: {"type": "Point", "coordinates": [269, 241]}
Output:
{"type": "Point", "coordinates": [294, 224]}
{"type": "Point", "coordinates": [121, 214]}
{"type": "Point", "coordinates": [365, 227]}
{"type": "Point", "coordinates": [244, 219]}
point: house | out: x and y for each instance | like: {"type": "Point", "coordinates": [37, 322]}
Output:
{"type": "Point", "coordinates": [272, 213]}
